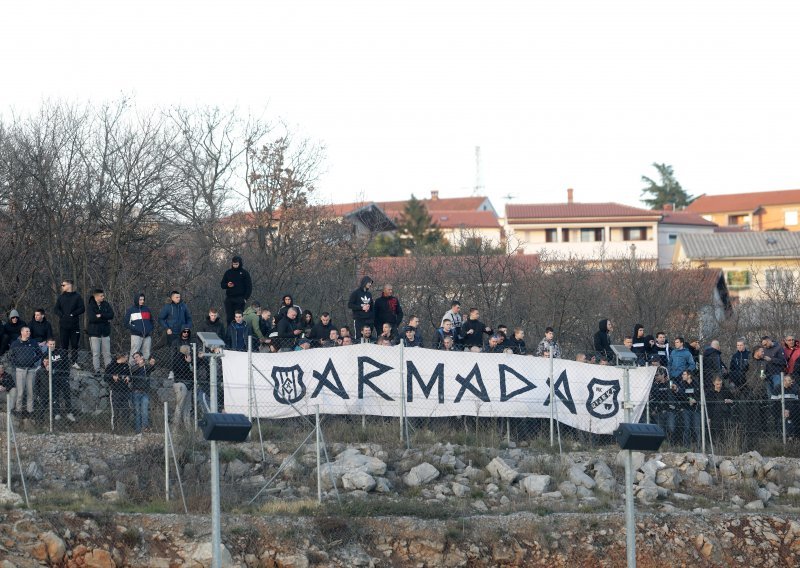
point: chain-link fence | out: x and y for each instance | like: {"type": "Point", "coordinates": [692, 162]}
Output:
{"type": "Point", "coordinates": [320, 413]}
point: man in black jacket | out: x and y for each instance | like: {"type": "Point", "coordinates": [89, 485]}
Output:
{"type": "Point", "coordinates": [62, 397]}
{"type": "Point", "coordinates": [740, 362]}
{"type": "Point", "coordinates": [99, 329]}
{"type": "Point", "coordinates": [362, 306]}
{"type": "Point", "coordinates": [473, 330]}
{"type": "Point", "coordinates": [11, 330]}
{"type": "Point", "coordinates": [602, 339]}
{"type": "Point", "coordinates": [41, 330]}
{"type": "Point", "coordinates": [388, 309]}
{"type": "Point", "coordinates": [238, 287]}
{"type": "Point", "coordinates": [289, 330]}
{"type": "Point", "coordinates": [69, 309]}
{"type": "Point", "coordinates": [322, 329]}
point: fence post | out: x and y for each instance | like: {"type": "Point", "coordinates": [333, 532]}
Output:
{"type": "Point", "coordinates": [8, 440]}
{"type": "Point", "coordinates": [702, 408]}
{"type": "Point", "coordinates": [552, 402]}
{"type": "Point", "coordinates": [319, 471]}
{"type": "Point", "coordinates": [194, 373]}
{"type": "Point", "coordinates": [166, 449]}
{"type": "Point", "coordinates": [783, 412]}
{"type": "Point", "coordinates": [250, 377]}
{"type": "Point", "coordinates": [402, 388]}
{"type": "Point", "coordinates": [50, 384]}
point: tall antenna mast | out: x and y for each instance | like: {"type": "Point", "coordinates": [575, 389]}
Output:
{"type": "Point", "coordinates": [478, 189]}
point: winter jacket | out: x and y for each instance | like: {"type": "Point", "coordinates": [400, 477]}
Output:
{"type": "Point", "coordinates": [236, 336]}
{"type": "Point", "coordinates": [41, 331]}
{"type": "Point", "coordinates": [438, 338]}
{"type": "Point", "coordinates": [281, 313]}
{"type": "Point", "coordinates": [640, 345]}
{"type": "Point", "coordinates": [551, 346]}
{"type": "Point", "coordinates": [216, 326]}
{"type": "Point", "coordinates": [718, 409]}
{"type": "Point", "coordinates": [478, 328]}
{"type": "Point", "coordinates": [25, 354]}
{"type": "Point", "coordinates": [99, 326]}
{"type": "Point", "coordinates": [242, 285]}
{"type": "Point", "coordinates": [321, 331]}
{"type": "Point", "coordinates": [61, 362]}
{"type": "Point", "coordinates": [139, 319]}
{"type": "Point", "coordinates": [11, 331]}
{"type": "Point", "coordinates": [712, 365]}
{"type": "Point", "coordinates": [737, 370]}
{"type": "Point", "coordinates": [792, 355]}
{"type": "Point", "coordinates": [140, 377]}
{"type": "Point", "coordinates": [602, 340]}
{"type": "Point", "coordinates": [123, 371]}
{"type": "Point", "coordinates": [777, 364]}
{"type": "Point", "coordinates": [518, 345]}
{"type": "Point", "coordinates": [182, 371]}
{"type": "Point", "coordinates": [359, 297]}
{"type": "Point", "coordinates": [251, 318]}
{"type": "Point", "coordinates": [175, 317]}
{"type": "Point", "coordinates": [680, 360]}
{"type": "Point", "coordinates": [388, 310]}
{"type": "Point", "coordinates": [69, 308]}
{"type": "Point", "coordinates": [265, 327]}
{"type": "Point", "coordinates": [663, 352]}
{"type": "Point", "coordinates": [688, 392]}
{"type": "Point", "coordinates": [663, 397]}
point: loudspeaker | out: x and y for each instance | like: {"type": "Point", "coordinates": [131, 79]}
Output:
{"type": "Point", "coordinates": [225, 427]}
{"type": "Point", "coordinates": [644, 437]}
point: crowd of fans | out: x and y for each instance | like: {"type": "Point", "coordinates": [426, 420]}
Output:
{"type": "Point", "coordinates": [762, 376]}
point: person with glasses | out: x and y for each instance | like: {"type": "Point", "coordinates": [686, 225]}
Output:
{"type": "Point", "coordinates": [69, 309]}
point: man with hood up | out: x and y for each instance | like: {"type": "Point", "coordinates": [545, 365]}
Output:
{"type": "Point", "coordinates": [640, 345]}
{"type": "Point", "coordinates": [287, 302]}
{"type": "Point", "coordinates": [362, 305]}
{"type": "Point", "coordinates": [11, 330]}
{"type": "Point", "coordinates": [139, 320]}
{"type": "Point", "coordinates": [602, 339]}
{"type": "Point", "coordinates": [238, 287]}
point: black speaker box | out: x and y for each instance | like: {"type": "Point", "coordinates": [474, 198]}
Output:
{"type": "Point", "coordinates": [643, 437]}
{"type": "Point", "coordinates": [225, 427]}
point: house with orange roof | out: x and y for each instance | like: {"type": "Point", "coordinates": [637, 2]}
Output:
{"type": "Point", "coordinates": [584, 230]}
{"type": "Point", "coordinates": [757, 211]}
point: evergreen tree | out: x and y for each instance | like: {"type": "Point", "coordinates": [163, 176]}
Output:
{"type": "Point", "coordinates": [416, 230]}
{"type": "Point", "coordinates": [668, 191]}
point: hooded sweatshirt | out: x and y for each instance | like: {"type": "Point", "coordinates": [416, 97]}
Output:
{"type": "Point", "coordinates": [285, 308]}
{"type": "Point", "coordinates": [640, 345]}
{"type": "Point", "coordinates": [602, 340]}
{"type": "Point", "coordinates": [139, 319]}
{"type": "Point", "coordinates": [359, 297]}
{"type": "Point", "coordinates": [12, 327]}
{"type": "Point", "coordinates": [242, 285]}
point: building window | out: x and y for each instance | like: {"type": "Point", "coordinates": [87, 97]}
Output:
{"type": "Point", "coordinates": [737, 279]}
{"type": "Point", "coordinates": [591, 235]}
{"type": "Point", "coordinates": [564, 235]}
{"type": "Point", "coordinates": [672, 238]}
{"type": "Point", "coordinates": [777, 277]}
{"type": "Point", "coordinates": [634, 233]}
{"type": "Point", "coordinates": [737, 220]}
{"type": "Point", "coordinates": [551, 235]}
{"type": "Point", "coordinates": [790, 218]}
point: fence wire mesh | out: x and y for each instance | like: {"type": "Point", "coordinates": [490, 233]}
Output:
{"type": "Point", "coordinates": [138, 444]}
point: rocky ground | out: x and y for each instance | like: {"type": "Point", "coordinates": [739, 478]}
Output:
{"type": "Point", "coordinates": [444, 505]}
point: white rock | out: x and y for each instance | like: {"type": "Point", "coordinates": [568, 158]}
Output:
{"type": "Point", "coordinates": [459, 489]}
{"type": "Point", "coordinates": [738, 501]}
{"type": "Point", "coordinates": [500, 469]}
{"type": "Point", "coordinates": [704, 479]}
{"type": "Point", "coordinates": [358, 480]}
{"type": "Point", "coordinates": [652, 467]}
{"type": "Point", "coordinates": [536, 484]}
{"type": "Point", "coordinates": [583, 493]}
{"type": "Point", "coordinates": [552, 495]}
{"type": "Point", "coordinates": [602, 471]}
{"type": "Point", "coordinates": [763, 494]}
{"type": "Point", "coordinates": [9, 498]}
{"type": "Point", "coordinates": [793, 491]}
{"type": "Point", "coordinates": [579, 477]}
{"type": "Point", "coordinates": [448, 460]}
{"type": "Point", "coordinates": [202, 555]}
{"type": "Point", "coordinates": [669, 477]}
{"type": "Point", "coordinates": [728, 469]}
{"type": "Point", "coordinates": [382, 485]}
{"type": "Point", "coordinates": [606, 485]}
{"type": "Point", "coordinates": [421, 474]}
{"type": "Point", "coordinates": [753, 505]}
{"type": "Point", "coordinates": [472, 473]}
{"type": "Point", "coordinates": [638, 459]}
{"type": "Point", "coordinates": [480, 506]}
{"type": "Point", "coordinates": [567, 489]}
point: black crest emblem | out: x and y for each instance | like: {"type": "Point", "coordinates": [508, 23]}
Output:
{"type": "Point", "coordinates": [288, 384]}
{"type": "Point", "coordinates": [603, 399]}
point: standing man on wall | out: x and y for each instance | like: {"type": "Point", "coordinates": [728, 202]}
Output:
{"type": "Point", "coordinates": [238, 287]}
{"type": "Point", "coordinates": [362, 306]}
{"type": "Point", "coordinates": [69, 309]}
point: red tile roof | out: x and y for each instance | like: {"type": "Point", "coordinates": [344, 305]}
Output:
{"type": "Point", "coordinates": [467, 219]}
{"type": "Point", "coordinates": [684, 218]}
{"type": "Point", "coordinates": [578, 211]}
{"type": "Point", "coordinates": [734, 202]}
{"type": "Point", "coordinates": [386, 268]}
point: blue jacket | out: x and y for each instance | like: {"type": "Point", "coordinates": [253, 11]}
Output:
{"type": "Point", "coordinates": [139, 319]}
{"type": "Point", "coordinates": [175, 317]}
{"type": "Point", "coordinates": [680, 360]}
{"type": "Point", "coordinates": [25, 354]}
{"type": "Point", "coordinates": [236, 336]}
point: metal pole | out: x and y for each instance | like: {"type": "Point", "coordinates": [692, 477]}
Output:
{"type": "Point", "coordinates": [552, 402]}
{"type": "Point", "coordinates": [319, 471]}
{"type": "Point", "coordinates": [402, 389]}
{"type": "Point", "coordinates": [166, 449]}
{"type": "Point", "coordinates": [630, 524]}
{"type": "Point", "coordinates": [50, 384]}
{"type": "Point", "coordinates": [783, 412]}
{"type": "Point", "coordinates": [250, 378]}
{"type": "Point", "coordinates": [194, 372]}
{"type": "Point", "coordinates": [8, 440]}
{"type": "Point", "coordinates": [216, 535]}
{"type": "Point", "coordinates": [702, 408]}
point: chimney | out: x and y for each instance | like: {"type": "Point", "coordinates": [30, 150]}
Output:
{"type": "Point", "coordinates": [668, 207]}
{"type": "Point", "coordinates": [570, 191]}
{"type": "Point", "coordinates": [434, 194]}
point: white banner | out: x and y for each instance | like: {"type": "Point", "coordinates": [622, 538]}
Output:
{"type": "Point", "coordinates": [392, 381]}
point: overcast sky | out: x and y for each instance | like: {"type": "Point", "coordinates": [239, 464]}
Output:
{"type": "Point", "coordinates": [580, 94]}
